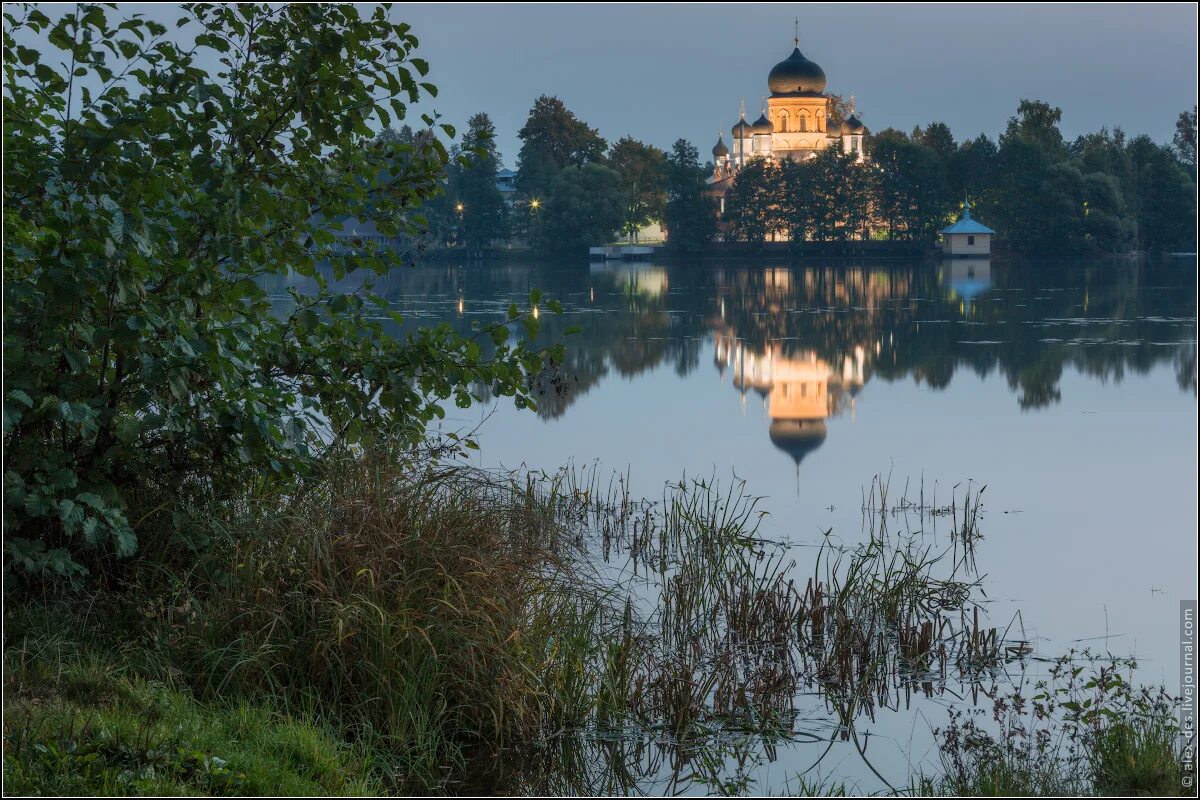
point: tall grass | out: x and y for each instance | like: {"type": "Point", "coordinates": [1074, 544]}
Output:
{"type": "Point", "coordinates": [483, 632]}
{"type": "Point", "coordinates": [423, 607]}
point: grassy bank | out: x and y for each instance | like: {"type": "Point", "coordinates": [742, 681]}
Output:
{"type": "Point", "coordinates": [399, 625]}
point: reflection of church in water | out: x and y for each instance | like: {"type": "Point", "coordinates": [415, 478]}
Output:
{"type": "Point", "coordinates": [800, 391]}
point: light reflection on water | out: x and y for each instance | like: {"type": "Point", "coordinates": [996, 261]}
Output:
{"type": "Point", "coordinates": [1068, 390]}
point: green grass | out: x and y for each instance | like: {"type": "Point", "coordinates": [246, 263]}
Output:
{"type": "Point", "coordinates": [79, 721]}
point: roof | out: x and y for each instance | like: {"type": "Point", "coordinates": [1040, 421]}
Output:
{"type": "Point", "coordinates": [796, 75]}
{"type": "Point", "coordinates": [966, 224]}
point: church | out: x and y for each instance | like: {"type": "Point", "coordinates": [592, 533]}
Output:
{"type": "Point", "coordinates": [795, 123]}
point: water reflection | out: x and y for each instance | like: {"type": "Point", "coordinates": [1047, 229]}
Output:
{"type": "Point", "coordinates": [887, 321]}
{"type": "Point", "coordinates": [970, 369]}
{"type": "Point", "coordinates": [967, 278]}
{"type": "Point", "coordinates": [800, 390]}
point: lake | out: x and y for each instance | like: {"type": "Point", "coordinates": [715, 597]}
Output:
{"type": "Point", "coordinates": [1068, 390]}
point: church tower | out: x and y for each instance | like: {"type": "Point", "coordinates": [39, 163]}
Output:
{"type": "Point", "coordinates": [798, 107]}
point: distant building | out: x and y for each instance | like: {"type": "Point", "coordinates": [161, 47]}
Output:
{"type": "Point", "coordinates": [967, 237]}
{"type": "Point", "coordinates": [506, 182]}
{"type": "Point", "coordinates": [795, 124]}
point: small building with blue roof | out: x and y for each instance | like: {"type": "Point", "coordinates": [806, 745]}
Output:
{"type": "Point", "coordinates": [967, 237]}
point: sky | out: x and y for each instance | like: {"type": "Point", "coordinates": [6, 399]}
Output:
{"type": "Point", "coordinates": [661, 72]}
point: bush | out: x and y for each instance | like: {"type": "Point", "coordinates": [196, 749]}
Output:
{"type": "Point", "coordinates": [1086, 730]}
{"type": "Point", "coordinates": [145, 199]}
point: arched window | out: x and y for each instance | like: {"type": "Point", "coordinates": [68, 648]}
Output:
{"type": "Point", "coordinates": [783, 122]}
{"type": "Point", "coordinates": [803, 121]}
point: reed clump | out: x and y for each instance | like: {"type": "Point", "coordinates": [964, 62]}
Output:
{"type": "Point", "coordinates": [426, 607]}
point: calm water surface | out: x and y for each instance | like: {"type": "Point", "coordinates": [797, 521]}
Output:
{"type": "Point", "coordinates": [1068, 390]}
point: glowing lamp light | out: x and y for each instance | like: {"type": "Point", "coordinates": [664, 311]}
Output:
{"type": "Point", "coordinates": [535, 204]}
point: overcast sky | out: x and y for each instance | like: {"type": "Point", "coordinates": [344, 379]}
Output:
{"type": "Point", "coordinates": [660, 72]}
{"type": "Point", "coordinates": [664, 71]}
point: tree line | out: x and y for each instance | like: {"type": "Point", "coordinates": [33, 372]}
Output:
{"type": "Point", "coordinates": [573, 189]}
{"type": "Point", "coordinates": [1102, 192]}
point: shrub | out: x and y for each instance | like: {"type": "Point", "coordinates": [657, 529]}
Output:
{"type": "Point", "coordinates": [145, 198]}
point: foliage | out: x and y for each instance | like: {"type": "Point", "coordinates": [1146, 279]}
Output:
{"type": "Point", "coordinates": [824, 198]}
{"type": "Point", "coordinates": [478, 204]}
{"type": "Point", "coordinates": [911, 190]}
{"type": "Point", "coordinates": [585, 206]}
{"type": "Point", "coordinates": [689, 214]}
{"type": "Point", "coordinates": [552, 139]}
{"type": "Point", "coordinates": [1185, 138]}
{"type": "Point", "coordinates": [643, 180]}
{"type": "Point", "coordinates": [1043, 196]}
{"type": "Point", "coordinates": [1086, 729]}
{"type": "Point", "coordinates": [751, 209]}
{"type": "Point", "coordinates": [1166, 213]}
{"type": "Point", "coordinates": [145, 198]}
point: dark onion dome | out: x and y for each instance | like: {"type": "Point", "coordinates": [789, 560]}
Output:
{"type": "Point", "coordinates": [797, 437]}
{"type": "Point", "coordinates": [763, 125]}
{"type": "Point", "coordinates": [742, 130]}
{"type": "Point", "coordinates": [796, 75]}
{"type": "Point", "coordinates": [720, 150]}
{"type": "Point", "coordinates": [853, 127]}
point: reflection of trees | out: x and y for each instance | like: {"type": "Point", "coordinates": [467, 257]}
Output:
{"type": "Point", "coordinates": [1036, 321]}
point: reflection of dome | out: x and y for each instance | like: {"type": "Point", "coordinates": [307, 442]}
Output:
{"type": "Point", "coordinates": [797, 437]}
{"type": "Point", "coordinates": [796, 75]}
{"type": "Point", "coordinates": [763, 125]}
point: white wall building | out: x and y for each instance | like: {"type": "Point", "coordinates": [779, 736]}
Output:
{"type": "Point", "coordinates": [967, 237]}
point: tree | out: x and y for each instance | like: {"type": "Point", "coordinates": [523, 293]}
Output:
{"type": "Point", "coordinates": [912, 195]}
{"type": "Point", "coordinates": [752, 208]}
{"type": "Point", "coordinates": [938, 138]}
{"type": "Point", "coordinates": [1107, 222]}
{"type": "Point", "coordinates": [1037, 122]}
{"type": "Point", "coordinates": [479, 204]}
{"type": "Point", "coordinates": [146, 368]}
{"type": "Point", "coordinates": [643, 177]}
{"type": "Point", "coordinates": [1185, 139]}
{"type": "Point", "coordinates": [971, 170]}
{"type": "Point", "coordinates": [585, 206]}
{"type": "Point", "coordinates": [552, 139]}
{"type": "Point", "coordinates": [690, 215]}
{"type": "Point", "coordinates": [798, 187]}
{"type": "Point", "coordinates": [390, 135]}
{"type": "Point", "coordinates": [1166, 215]}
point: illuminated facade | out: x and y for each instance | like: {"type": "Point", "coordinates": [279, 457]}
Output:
{"type": "Point", "coordinates": [794, 124]}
